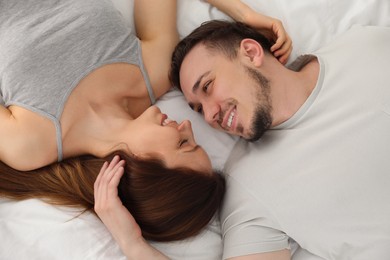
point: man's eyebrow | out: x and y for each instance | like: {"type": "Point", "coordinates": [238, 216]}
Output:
{"type": "Point", "coordinates": [197, 83]}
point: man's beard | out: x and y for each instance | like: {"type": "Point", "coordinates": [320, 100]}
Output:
{"type": "Point", "coordinates": [262, 118]}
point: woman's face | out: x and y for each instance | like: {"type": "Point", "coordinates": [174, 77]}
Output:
{"type": "Point", "coordinates": [154, 134]}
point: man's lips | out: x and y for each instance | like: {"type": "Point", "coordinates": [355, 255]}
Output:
{"type": "Point", "coordinates": [228, 119]}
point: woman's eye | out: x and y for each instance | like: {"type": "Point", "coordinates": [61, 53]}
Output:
{"type": "Point", "coordinates": [206, 86]}
{"type": "Point", "coordinates": [182, 142]}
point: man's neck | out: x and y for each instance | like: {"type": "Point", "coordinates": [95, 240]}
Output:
{"type": "Point", "coordinates": [292, 87]}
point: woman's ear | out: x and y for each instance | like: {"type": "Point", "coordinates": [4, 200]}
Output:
{"type": "Point", "coordinates": [252, 51]}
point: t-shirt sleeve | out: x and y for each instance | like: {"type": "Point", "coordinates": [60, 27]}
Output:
{"type": "Point", "coordinates": [247, 226]}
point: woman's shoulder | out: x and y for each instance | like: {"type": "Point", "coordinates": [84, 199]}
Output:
{"type": "Point", "coordinates": [28, 140]}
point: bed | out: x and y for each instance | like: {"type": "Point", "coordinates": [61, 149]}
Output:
{"type": "Point", "coordinates": [32, 229]}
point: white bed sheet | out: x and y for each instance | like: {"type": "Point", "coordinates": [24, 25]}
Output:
{"type": "Point", "coordinates": [32, 229]}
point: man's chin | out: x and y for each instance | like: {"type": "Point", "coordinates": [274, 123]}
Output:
{"type": "Point", "coordinates": [250, 137]}
{"type": "Point", "coordinates": [253, 137]}
{"type": "Point", "coordinates": [251, 140]}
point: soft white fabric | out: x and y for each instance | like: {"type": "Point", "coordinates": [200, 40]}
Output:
{"type": "Point", "coordinates": [310, 23]}
{"type": "Point", "coordinates": [34, 230]}
{"type": "Point", "coordinates": [322, 177]}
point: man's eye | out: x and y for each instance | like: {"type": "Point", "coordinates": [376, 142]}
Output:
{"type": "Point", "coordinates": [182, 142]}
{"type": "Point", "coordinates": [199, 109]}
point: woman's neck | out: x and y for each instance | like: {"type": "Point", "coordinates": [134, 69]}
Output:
{"type": "Point", "coordinates": [99, 107]}
{"type": "Point", "coordinates": [94, 130]}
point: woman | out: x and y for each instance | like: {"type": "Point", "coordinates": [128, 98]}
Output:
{"type": "Point", "coordinates": [74, 79]}
{"type": "Point", "coordinates": [75, 82]}
{"type": "Point", "coordinates": [75, 86]}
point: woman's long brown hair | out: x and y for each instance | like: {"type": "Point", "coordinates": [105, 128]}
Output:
{"type": "Point", "coordinates": [168, 204]}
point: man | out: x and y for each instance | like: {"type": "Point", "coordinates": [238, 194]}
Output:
{"type": "Point", "coordinates": [320, 174]}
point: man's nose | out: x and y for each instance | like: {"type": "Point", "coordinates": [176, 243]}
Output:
{"type": "Point", "coordinates": [211, 113]}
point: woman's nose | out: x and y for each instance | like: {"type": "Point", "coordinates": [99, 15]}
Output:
{"type": "Point", "coordinates": [155, 109]}
{"type": "Point", "coordinates": [185, 130]}
{"type": "Point", "coordinates": [185, 125]}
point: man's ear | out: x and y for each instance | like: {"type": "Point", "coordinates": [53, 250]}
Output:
{"type": "Point", "coordinates": [252, 51]}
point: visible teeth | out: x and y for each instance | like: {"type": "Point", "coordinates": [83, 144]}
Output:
{"type": "Point", "coordinates": [167, 121]}
{"type": "Point", "coordinates": [230, 119]}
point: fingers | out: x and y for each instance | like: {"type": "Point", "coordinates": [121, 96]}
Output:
{"type": "Point", "coordinates": [273, 30]}
{"type": "Point", "coordinates": [112, 169]}
{"type": "Point", "coordinates": [284, 58]}
{"type": "Point", "coordinates": [283, 53]}
{"type": "Point", "coordinates": [112, 186]}
{"type": "Point", "coordinates": [108, 170]}
{"type": "Point", "coordinates": [282, 48]}
{"type": "Point", "coordinates": [109, 207]}
{"type": "Point", "coordinates": [279, 34]}
{"type": "Point", "coordinates": [106, 183]}
{"type": "Point", "coordinates": [283, 41]}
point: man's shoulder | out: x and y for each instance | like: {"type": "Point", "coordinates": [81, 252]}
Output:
{"type": "Point", "coordinates": [358, 37]}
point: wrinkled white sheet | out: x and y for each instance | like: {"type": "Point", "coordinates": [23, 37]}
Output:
{"type": "Point", "coordinates": [32, 229]}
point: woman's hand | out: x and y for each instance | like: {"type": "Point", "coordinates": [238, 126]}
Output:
{"type": "Point", "coordinates": [271, 28]}
{"type": "Point", "coordinates": [116, 217]}
{"type": "Point", "coordinates": [109, 207]}
{"type": "Point", "coordinates": [274, 30]}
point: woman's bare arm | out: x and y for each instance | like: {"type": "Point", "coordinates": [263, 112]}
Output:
{"type": "Point", "coordinates": [7, 122]}
{"type": "Point", "coordinates": [155, 22]}
{"type": "Point", "coordinates": [25, 139]}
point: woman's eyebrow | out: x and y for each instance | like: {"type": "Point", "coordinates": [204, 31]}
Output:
{"type": "Point", "coordinates": [195, 148]}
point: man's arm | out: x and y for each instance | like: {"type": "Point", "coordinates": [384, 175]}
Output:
{"type": "Point", "coordinates": [249, 228]}
{"type": "Point", "coordinates": [155, 22]}
{"type": "Point", "coordinates": [277, 255]}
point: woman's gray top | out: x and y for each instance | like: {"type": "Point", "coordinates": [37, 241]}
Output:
{"type": "Point", "coordinates": [47, 47]}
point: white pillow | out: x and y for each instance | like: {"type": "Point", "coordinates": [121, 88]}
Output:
{"type": "Point", "coordinates": [32, 229]}
{"type": "Point", "coordinates": [311, 24]}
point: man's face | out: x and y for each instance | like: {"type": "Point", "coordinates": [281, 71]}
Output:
{"type": "Point", "coordinates": [231, 94]}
